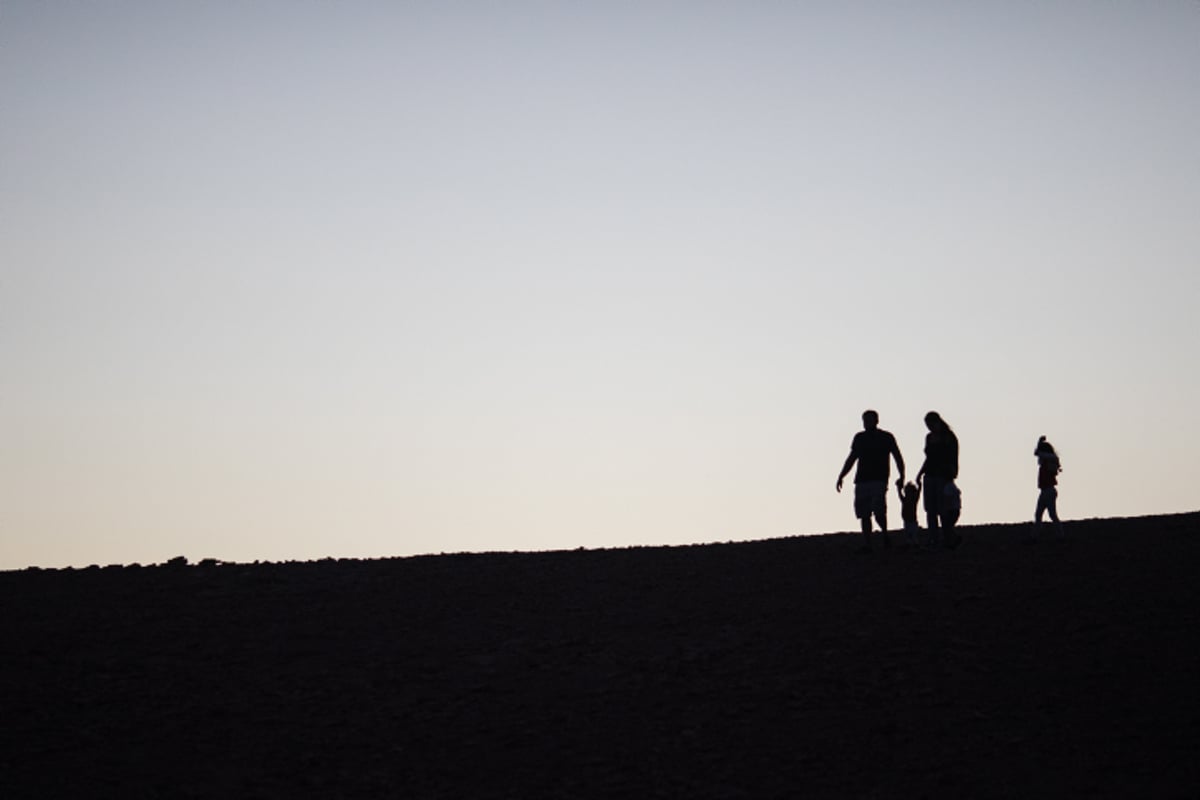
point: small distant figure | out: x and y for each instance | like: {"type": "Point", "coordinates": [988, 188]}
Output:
{"type": "Point", "coordinates": [910, 498]}
{"type": "Point", "coordinates": [1049, 466]}
{"type": "Point", "coordinates": [871, 448]}
{"type": "Point", "coordinates": [943, 501]}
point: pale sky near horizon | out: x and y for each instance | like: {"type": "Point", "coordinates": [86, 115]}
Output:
{"type": "Point", "coordinates": [307, 279]}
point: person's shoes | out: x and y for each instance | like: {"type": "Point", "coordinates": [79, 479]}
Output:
{"type": "Point", "coordinates": [953, 540]}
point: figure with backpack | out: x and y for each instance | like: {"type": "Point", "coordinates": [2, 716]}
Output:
{"type": "Point", "coordinates": [1049, 466]}
{"type": "Point", "coordinates": [943, 501]}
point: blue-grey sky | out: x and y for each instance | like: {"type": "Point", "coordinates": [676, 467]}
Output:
{"type": "Point", "coordinates": [305, 279]}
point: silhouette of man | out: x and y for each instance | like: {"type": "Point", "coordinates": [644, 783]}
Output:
{"type": "Point", "coordinates": [871, 448]}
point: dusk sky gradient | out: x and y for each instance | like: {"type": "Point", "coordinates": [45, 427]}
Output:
{"type": "Point", "coordinates": [307, 279]}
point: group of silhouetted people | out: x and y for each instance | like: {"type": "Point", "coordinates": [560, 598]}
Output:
{"type": "Point", "coordinates": [874, 448]}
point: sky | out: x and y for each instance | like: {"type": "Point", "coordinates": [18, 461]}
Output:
{"type": "Point", "coordinates": [295, 280]}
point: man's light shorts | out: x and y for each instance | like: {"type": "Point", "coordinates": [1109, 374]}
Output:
{"type": "Point", "coordinates": [870, 497]}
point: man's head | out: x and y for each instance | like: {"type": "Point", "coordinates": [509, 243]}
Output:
{"type": "Point", "coordinates": [870, 420]}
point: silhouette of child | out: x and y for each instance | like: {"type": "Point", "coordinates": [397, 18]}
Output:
{"type": "Point", "coordinates": [910, 497]}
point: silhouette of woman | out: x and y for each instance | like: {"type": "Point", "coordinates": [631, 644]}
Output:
{"type": "Point", "coordinates": [939, 471]}
{"type": "Point", "coordinates": [1048, 468]}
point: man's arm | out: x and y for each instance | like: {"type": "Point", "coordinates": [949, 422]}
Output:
{"type": "Point", "coordinates": [899, 462]}
{"type": "Point", "coordinates": [850, 459]}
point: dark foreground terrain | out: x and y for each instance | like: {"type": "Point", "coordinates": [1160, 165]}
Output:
{"type": "Point", "coordinates": [783, 668]}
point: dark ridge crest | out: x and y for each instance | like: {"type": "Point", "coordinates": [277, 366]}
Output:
{"type": "Point", "coordinates": [778, 668]}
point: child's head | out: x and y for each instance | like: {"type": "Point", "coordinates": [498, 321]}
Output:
{"type": "Point", "coordinates": [910, 488]}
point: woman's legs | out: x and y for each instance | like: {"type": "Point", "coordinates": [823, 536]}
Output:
{"type": "Point", "coordinates": [1048, 502]}
{"type": "Point", "coordinates": [949, 520]}
{"type": "Point", "coordinates": [1052, 507]}
{"type": "Point", "coordinates": [934, 488]}
{"type": "Point", "coordinates": [1042, 505]}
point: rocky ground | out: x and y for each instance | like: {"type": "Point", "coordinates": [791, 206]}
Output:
{"type": "Point", "coordinates": [784, 668]}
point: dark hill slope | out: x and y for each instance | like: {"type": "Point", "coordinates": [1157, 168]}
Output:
{"type": "Point", "coordinates": [789, 668]}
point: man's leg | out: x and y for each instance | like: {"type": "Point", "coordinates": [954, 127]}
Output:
{"type": "Point", "coordinates": [862, 510]}
{"type": "Point", "coordinates": [864, 505]}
